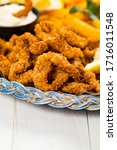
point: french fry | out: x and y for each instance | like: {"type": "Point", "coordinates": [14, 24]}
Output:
{"type": "Point", "coordinates": [58, 13]}
{"type": "Point", "coordinates": [16, 1]}
{"type": "Point", "coordinates": [96, 23]}
{"type": "Point", "coordinates": [81, 16]}
{"type": "Point", "coordinates": [82, 5]}
{"type": "Point", "coordinates": [82, 28]}
{"type": "Point", "coordinates": [69, 2]}
{"type": "Point", "coordinates": [96, 1]}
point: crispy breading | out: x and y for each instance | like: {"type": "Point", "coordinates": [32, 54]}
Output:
{"type": "Point", "coordinates": [30, 43]}
{"type": "Point", "coordinates": [73, 38]}
{"type": "Point", "coordinates": [56, 41]}
{"type": "Point", "coordinates": [19, 72]}
{"type": "Point", "coordinates": [52, 59]}
{"type": "Point", "coordinates": [89, 53]}
{"type": "Point", "coordinates": [3, 47]}
{"type": "Point", "coordinates": [90, 78]}
{"type": "Point", "coordinates": [44, 65]}
{"type": "Point", "coordinates": [5, 65]}
{"type": "Point", "coordinates": [76, 88]}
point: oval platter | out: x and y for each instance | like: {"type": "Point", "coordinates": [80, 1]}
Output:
{"type": "Point", "coordinates": [54, 99]}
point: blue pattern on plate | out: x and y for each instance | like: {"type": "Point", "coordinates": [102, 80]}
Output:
{"type": "Point", "coordinates": [52, 98]}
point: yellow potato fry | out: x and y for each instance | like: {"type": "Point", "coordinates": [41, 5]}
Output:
{"type": "Point", "coordinates": [82, 5]}
{"type": "Point", "coordinates": [96, 1]}
{"type": "Point", "coordinates": [82, 28]}
{"type": "Point", "coordinates": [58, 13]}
{"type": "Point", "coordinates": [16, 1]}
{"type": "Point", "coordinates": [96, 23]}
{"type": "Point", "coordinates": [81, 16]}
{"type": "Point", "coordinates": [69, 2]}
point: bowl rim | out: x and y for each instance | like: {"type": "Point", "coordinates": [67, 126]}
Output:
{"type": "Point", "coordinates": [34, 10]}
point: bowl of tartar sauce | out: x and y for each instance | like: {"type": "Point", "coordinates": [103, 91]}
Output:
{"type": "Point", "coordinates": [9, 24]}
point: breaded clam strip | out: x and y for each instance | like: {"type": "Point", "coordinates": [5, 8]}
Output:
{"type": "Point", "coordinates": [72, 38]}
{"type": "Point", "coordinates": [19, 72]}
{"type": "Point", "coordinates": [44, 66]}
{"type": "Point", "coordinates": [3, 47]}
{"type": "Point", "coordinates": [91, 84]}
{"type": "Point", "coordinates": [56, 42]}
{"type": "Point", "coordinates": [76, 88]}
{"type": "Point", "coordinates": [4, 65]}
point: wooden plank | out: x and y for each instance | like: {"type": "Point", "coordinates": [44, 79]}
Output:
{"type": "Point", "coordinates": [94, 129]}
{"type": "Point", "coordinates": [42, 127]}
{"type": "Point", "coordinates": [6, 122]}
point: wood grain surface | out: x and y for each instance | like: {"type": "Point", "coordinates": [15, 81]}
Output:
{"type": "Point", "coordinates": [24, 126]}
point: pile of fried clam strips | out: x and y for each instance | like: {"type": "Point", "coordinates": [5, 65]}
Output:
{"type": "Point", "coordinates": [55, 56]}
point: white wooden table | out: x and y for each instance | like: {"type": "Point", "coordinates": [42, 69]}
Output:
{"type": "Point", "coordinates": [24, 126]}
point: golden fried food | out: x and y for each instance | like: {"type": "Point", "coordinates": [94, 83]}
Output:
{"type": "Point", "coordinates": [56, 41]}
{"type": "Point", "coordinates": [90, 78]}
{"type": "Point", "coordinates": [60, 77]}
{"type": "Point", "coordinates": [73, 38]}
{"type": "Point", "coordinates": [5, 65]}
{"type": "Point", "coordinates": [78, 64]}
{"type": "Point", "coordinates": [29, 42]}
{"type": "Point", "coordinates": [18, 52]}
{"type": "Point", "coordinates": [12, 41]}
{"type": "Point", "coordinates": [25, 11]}
{"type": "Point", "coordinates": [55, 57]}
{"type": "Point", "coordinates": [61, 62]}
{"type": "Point", "coordinates": [83, 28]}
{"type": "Point", "coordinates": [46, 31]}
{"type": "Point", "coordinates": [64, 48]}
{"type": "Point", "coordinates": [23, 45]}
{"type": "Point", "coordinates": [19, 72]}
{"type": "Point", "coordinates": [44, 65]}
{"type": "Point", "coordinates": [76, 88]}
{"type": "Point", "coordinates": [91, 84]}
{"type": "Point", "coordinates": [3, 47]}
{"type": "Point", "coordinates": [89, 53]}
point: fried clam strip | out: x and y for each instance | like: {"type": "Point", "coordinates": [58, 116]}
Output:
{"type": "Point", "coordinates": [73, 38]}
{"type": "Point", "coordinates": [25, 11]}
{"type": "Point", "coordinates": [44, 66]}
{"type": "Point", "coordinates": [78, 63]}
{"type": "Point", "coordinates": [24, 45]}
{"type": "Point", "coordinates": [19, 56]}
{"type": "Point", "coordinates": [46, 31]}
{"type": "Point", "coordinates": [56, 41]}
{"type": "Point", "coordinates": [5, 65]}
{"type": "Point", "coordinates": [77, 88]}
{"type": "Point", "coordinates": [19, 51]}
{"type": "Point", "coordinates": [64, 48]}
{"type": "Point", "coordinates": [3, 47]}
{"type": "Point", "coordinates": [31, 43]}
{"type": "Point", "coordinates": [19, 72]}
{"type": "Point", "coordinates": [12, 42]}
{"type": "Point", "coordinates": [60, 77]}
{"type": "Point", "coordinates": [89, 53]}
{"type": "Point", "coordinates": [90, 78]}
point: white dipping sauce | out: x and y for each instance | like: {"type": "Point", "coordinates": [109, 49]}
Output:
{"type": "Point", "coordinates": [8, 20]}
